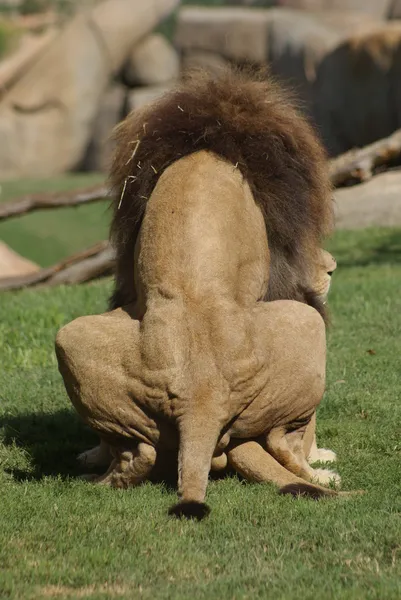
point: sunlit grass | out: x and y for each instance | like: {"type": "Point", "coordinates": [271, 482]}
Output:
{"type": "Point", "coordinates": [62, 538]}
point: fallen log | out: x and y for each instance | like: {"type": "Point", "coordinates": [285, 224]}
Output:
{"type": "Point", "coordinates": [353, 167]}
{"type": "Point", "coordinates": [92, 263]}
{"type": "Point", "coordinates": [27, 204]}
{"type": "Point", "coordinates": [360, 164]}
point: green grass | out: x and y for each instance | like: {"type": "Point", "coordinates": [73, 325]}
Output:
{"type": "Point", "coordinates": [9, 37]}
{"type": "Point", "coordinates": [48, 236]}
{"type": "Point", "coordinates": [63, 538]}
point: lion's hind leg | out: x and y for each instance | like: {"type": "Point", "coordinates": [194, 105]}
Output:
{"type": "Point", "coordinates": [288, 449]}
{"type": "Point", "coordinates": [312, 452]}
{"type": "Point", "coordinates": [320, 454]}
{"type": "Point", "coordinates": [129, 467]}
{"type": "Point", "coordinates": [252, 462]}
{"type": "Point", "coordinates": [99, 456]}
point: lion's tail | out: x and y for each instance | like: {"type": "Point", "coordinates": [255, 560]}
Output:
{"type": "Point", "coordinates": [255, 464]}
{"type": "Point", "coordinates": [199, 430]}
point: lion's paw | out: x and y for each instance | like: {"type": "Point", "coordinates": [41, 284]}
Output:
{"type": "Point", "coordinates": [322, 455]}
{"type": "Point", "coordinates": [325, 477]}
{"type": "Point", "coordinates": [326, 455]}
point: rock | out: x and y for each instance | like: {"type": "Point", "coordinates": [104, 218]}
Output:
{"type": "Point", "coordinates": [395, 10]}
{"type": "Point", "coordinates": [14, 66]}
{"type": "Point", "coordinates": [110, 112]}
{"type": "Point", "coordinates": [293, 42]}
{"type": "Point", "coordinates": [374, 203]}
{"type": "Point", "coordinates": [152, 62]}
{"type": "Point", "coordinates": [376, 8]}
{"type": "Point", "coordinates": [141, 96]}
{"type": "Point", "coordinates": [46, 118]}
{"type": "Point", "coordinates": [250, 2]}
{"type": "Point", "coordinates": [238, 34]}
{"type": "Point", "coordinates": [208, 61]}
{"type": "Point", "coordinates": [13, 265]}
{"type": "Point", "coordinates": [299, 42]}
{"type": "Point", "coordinates": [122, 23]}
{"type": "Point", "coordinates": [357, 90]}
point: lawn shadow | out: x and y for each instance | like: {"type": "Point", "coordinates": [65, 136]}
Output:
{"type": "Point", "coordinates": [52, 442]}
{"type": "Point", "coordinates": [385, 250]}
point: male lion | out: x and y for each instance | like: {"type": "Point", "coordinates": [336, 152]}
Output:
{"type": "Point", "coordinates": [209, 363]}
{"type": "Point", "coordinates": [223, 201]}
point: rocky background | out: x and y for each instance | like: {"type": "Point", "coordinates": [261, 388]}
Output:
{"type": "Point", "coordinates": [70, 70]}
{"type": "Point", "coordinates": [74, 69]}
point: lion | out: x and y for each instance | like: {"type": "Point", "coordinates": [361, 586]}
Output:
{"type": "Point", "coordinates": [222, 204]}
{"type": "Point", "coordinates": [249, 121]}
{"type": "Point", "coordinates": [208, 365]}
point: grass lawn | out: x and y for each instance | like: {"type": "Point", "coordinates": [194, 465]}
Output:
{"type": "Point", "coordinates": [63, 538]}
{"type": "Point", "coordinates": [48, 236]}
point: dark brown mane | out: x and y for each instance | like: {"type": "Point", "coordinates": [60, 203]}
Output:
{"type": "Point", "coordinates": [249, 121]}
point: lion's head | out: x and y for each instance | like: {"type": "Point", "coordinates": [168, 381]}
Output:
{"type": "Point", "coordinates": [326, 266]}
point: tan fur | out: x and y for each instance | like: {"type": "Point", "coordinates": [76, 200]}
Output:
{"type": "Point", "coordinates": [199, 360]}
{"type": "Point", "coordinates": [100, 455]}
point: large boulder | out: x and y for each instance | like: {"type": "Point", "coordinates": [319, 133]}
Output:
{"type": "Point", "coordinates": [13, 265]}
{"type": "Point", "coordinates": [376, 8]}
{"type": "Point", "coordinates": [374, 203]}
{"type": "Point", "coordinates": [46, 118]}
{"type": "Point", "coordinates": [110, 112]}
{"type": "Point", "coordinates": [292, 42]}
{"type": "Point", "coordinates": [139, 97]}
{"type": "Point", "coordinates": [16, 64]}
{"type": "Point", "coordinates": [395, 10]}
{"type": "Point", "coordinates": [153, 61]}
{"type": "Point", "coordinates": [358, 90]}
{"type": "Point", "coordinates": [299, 42]}
{"type": "Point", "coordinates": [210, 62]}
{"type": "Point", "coordinates": [237, 34]}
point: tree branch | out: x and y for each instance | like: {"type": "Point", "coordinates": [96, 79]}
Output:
{"type": "Point", "coordinates": [26, 204]}
{"type": "Point", "coordinates": [96, 261]}
{"type": "Point", "coordinates": [358, 165]}
{"type": "Point", "coordinates": [354, 166]}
